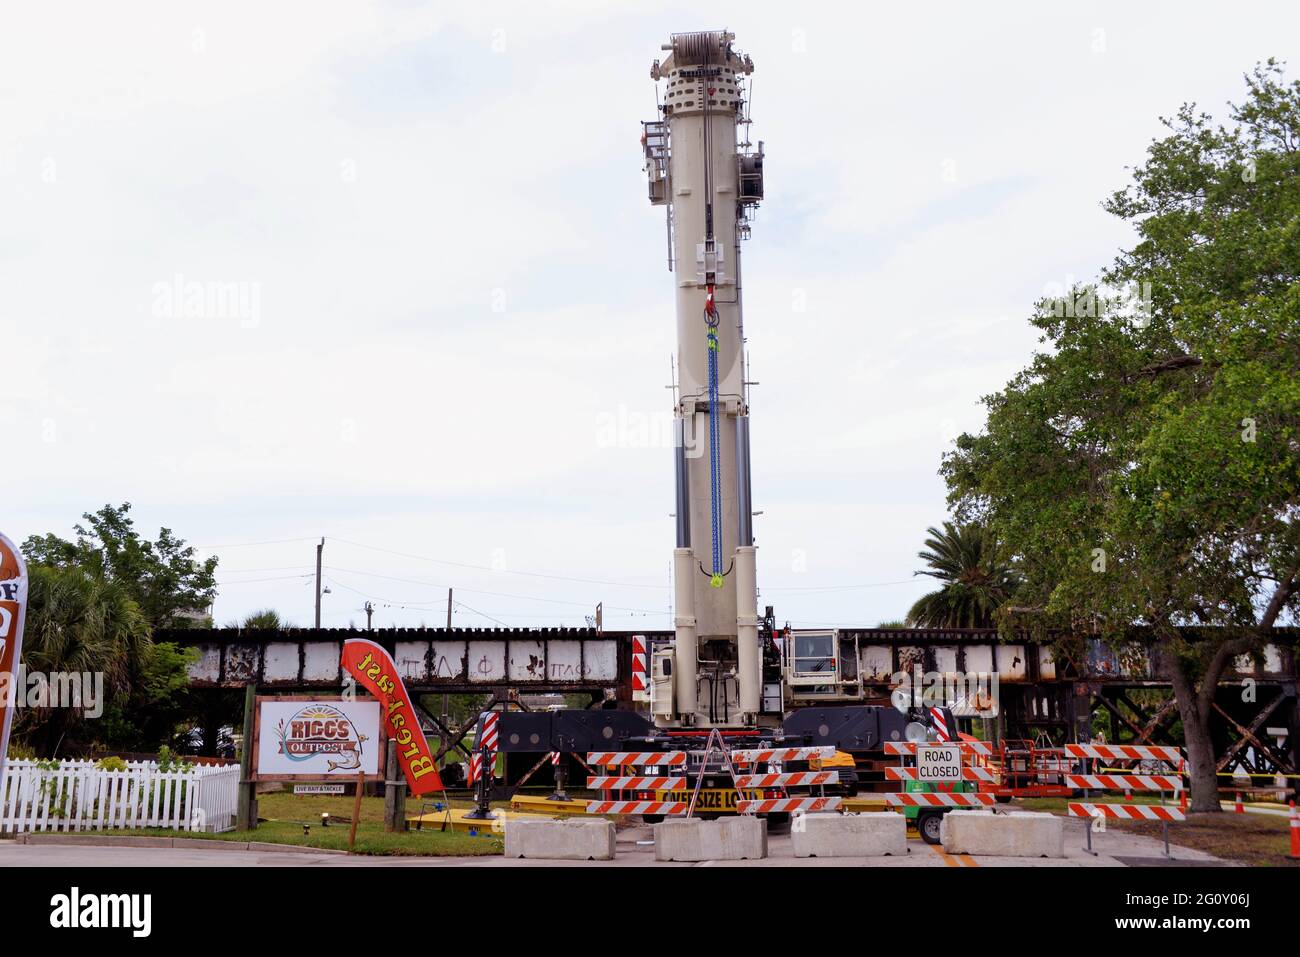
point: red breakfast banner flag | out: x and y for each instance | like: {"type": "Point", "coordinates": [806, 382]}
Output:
{"type": "Point", "coordinates": [374, 670]}
{"type": "Point", "coordinates": [13, 606]}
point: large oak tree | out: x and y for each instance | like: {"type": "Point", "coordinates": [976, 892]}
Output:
{"type": "Point", "coordinates": [1145, 466]}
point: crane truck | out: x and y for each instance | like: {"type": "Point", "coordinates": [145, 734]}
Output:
{"type": "Point", "coordinates": [728, 679]}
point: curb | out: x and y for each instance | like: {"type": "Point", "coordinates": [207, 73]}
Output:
{"type": "Point", "coordinates": [186, 843]}
{"type": "Point", "coordinates": [297, 848]}
{"type": "Point", "coordinates": [91, 840]}
{"type": "Point", "coordinates": [189, 843]}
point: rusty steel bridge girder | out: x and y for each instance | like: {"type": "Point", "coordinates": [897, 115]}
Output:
{"type": "Point", "coordinates": [432, 659]}
{"type": "Point", "coordinates": [579, 659]}
{"type": "Point", "coordinates": [1037, 692]}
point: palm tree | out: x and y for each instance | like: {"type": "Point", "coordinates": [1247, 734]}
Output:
{"type": "Point", "coordinates": [77, 624]}
{"type": "Point", "coordinates": [976, 579]}
{"type": "Point", "coordinates": [267, 618]}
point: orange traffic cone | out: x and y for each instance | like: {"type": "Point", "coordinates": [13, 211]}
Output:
{"type": "Point", "coordinates": [1182, 801]}
{"type": "Point", "coordinates": [1239, 808]}
{"type": "Point", "coordinates": [1295, 833]}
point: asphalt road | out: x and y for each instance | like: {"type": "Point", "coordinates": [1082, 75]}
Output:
{"type": "Point", "coordinates": [1115, 849]}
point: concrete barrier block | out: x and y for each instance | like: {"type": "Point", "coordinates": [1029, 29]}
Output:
{"type": "Point", "coordinates": [849, 835]}
{"type": "Point", "coordinates": [570, 840]}
{"type": "Point", "coordinates": [1018, 834]}
{"type": "Point", "coordinates": [739, 838]}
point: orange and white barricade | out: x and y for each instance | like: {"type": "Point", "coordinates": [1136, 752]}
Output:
{"type": "Point", "coordinates": [968, 773]}
{"type": "Point", "coordinates": [970, 751]}
{"type": "Point", "coordinates": [636, 782]}
{"type": "Point", "coordinates": [968, 748]}
{"type": "Point", "coordinates": [768, 755]}
{"type": "Point", "coordinates": [636, 807]}
{"type": "Point", "coordinates": [1131, 812]}
{"type": "Point", "coordinates": [752, 783]}
{"type": "Point", "coordinates": [640, 668]}
{"type": "Point", "coordinates": [940, 799]}
{"type": "Point", "coordinates": [1126, 752]}
{"type": "Point", "coordinates": [1124, 782]}
{"type": "Point", "coordinates": [798, 805]}
{"type": "Point", "coordinates": [1096, 814]}
{"type": "Point", "coordinates": [488, 743]}
{"type": "Point", "coordinates": [940, 725]}
{"type": "Point", "coordinates": [791, 779]}
{"type": "Point", "coordinates": [605, 759]}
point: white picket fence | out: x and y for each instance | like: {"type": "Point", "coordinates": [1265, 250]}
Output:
{"type": "Point", "coordinates": [79, 796]}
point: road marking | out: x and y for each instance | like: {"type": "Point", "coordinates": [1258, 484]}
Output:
{"type": "Point", "coordinates": [947, 858]}
{"type": "Point", "coordinates": [952, 860]}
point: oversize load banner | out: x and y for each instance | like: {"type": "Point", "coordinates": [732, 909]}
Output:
{"type": "Point", "coordinates": [13, 605]}
{"type": "Point", "coordinates": [374, 670]}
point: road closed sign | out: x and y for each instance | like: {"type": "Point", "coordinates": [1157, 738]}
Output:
{"type": "Point", "coordinates": [938, 763]}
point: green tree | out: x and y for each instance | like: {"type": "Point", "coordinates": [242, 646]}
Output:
{"type": "Point", "coordinates": [267, 618]}
{"type": "Point", "coordinates": [95, 602]}
{"type": "Point", "coordinates": [976, 579]}
{"type": "Point", "coordinates": [1146, 464]}
{"type": "Point", "coordinates": [158, 708]}
{"type": "Point", "coordinates": [76, 623]}
{"type": "Point", "coordinates": [164, 577]}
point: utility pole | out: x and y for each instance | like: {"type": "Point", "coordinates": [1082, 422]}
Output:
{"type": "Point", "coordinates": [446, 698]}
{"type": "Point", "coordinates": [370, 610]}
{"type": "Point", "coordinates": [319, 548]}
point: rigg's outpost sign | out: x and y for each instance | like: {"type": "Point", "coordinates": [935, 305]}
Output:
{"type": "Point", "coordinates": [316, 739]}
{"type": "Point", "coordinates": [13, 607]}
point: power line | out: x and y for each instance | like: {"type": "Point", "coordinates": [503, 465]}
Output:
{"type": "Point", "coordinates": [253, 581]}
{"type": "Point", "coordinates": [274, 568]}
{"type": "Point", "coordinates": [529, 574]}
{"type": "Point", "coordinates": [476, 591]}
{"type": "Point", "coordinates": [480, 614]}
{"type": "Point", "coordinates": [413, 605]}
{"type": "Point", "coordinates": [425, 606]}
{"type": "Point", "coordinates": [536, 575]}
{"type": "Point", "coordinates": [507, 571]}
{"type": "Point", "coordinates": [274, 541]}
{"type": "Point", "coordinates": [820, 588]}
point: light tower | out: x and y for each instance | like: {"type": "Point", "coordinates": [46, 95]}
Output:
{"type": "Point", "coordinates": [709, 183]}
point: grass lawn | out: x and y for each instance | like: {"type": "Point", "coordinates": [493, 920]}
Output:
{"type": "Point", "coordinates": [283, 815]}
{"type": "Point", "coordinates": [1255, 839]}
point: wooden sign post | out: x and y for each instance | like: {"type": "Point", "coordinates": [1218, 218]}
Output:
{"type": "Point", "coordinates": [246, 818]}
{"type": "Point", "coordinates": [356, 809]}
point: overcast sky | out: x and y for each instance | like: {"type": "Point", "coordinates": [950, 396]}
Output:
{"type": "Point", "coordinates": [447, 317]}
